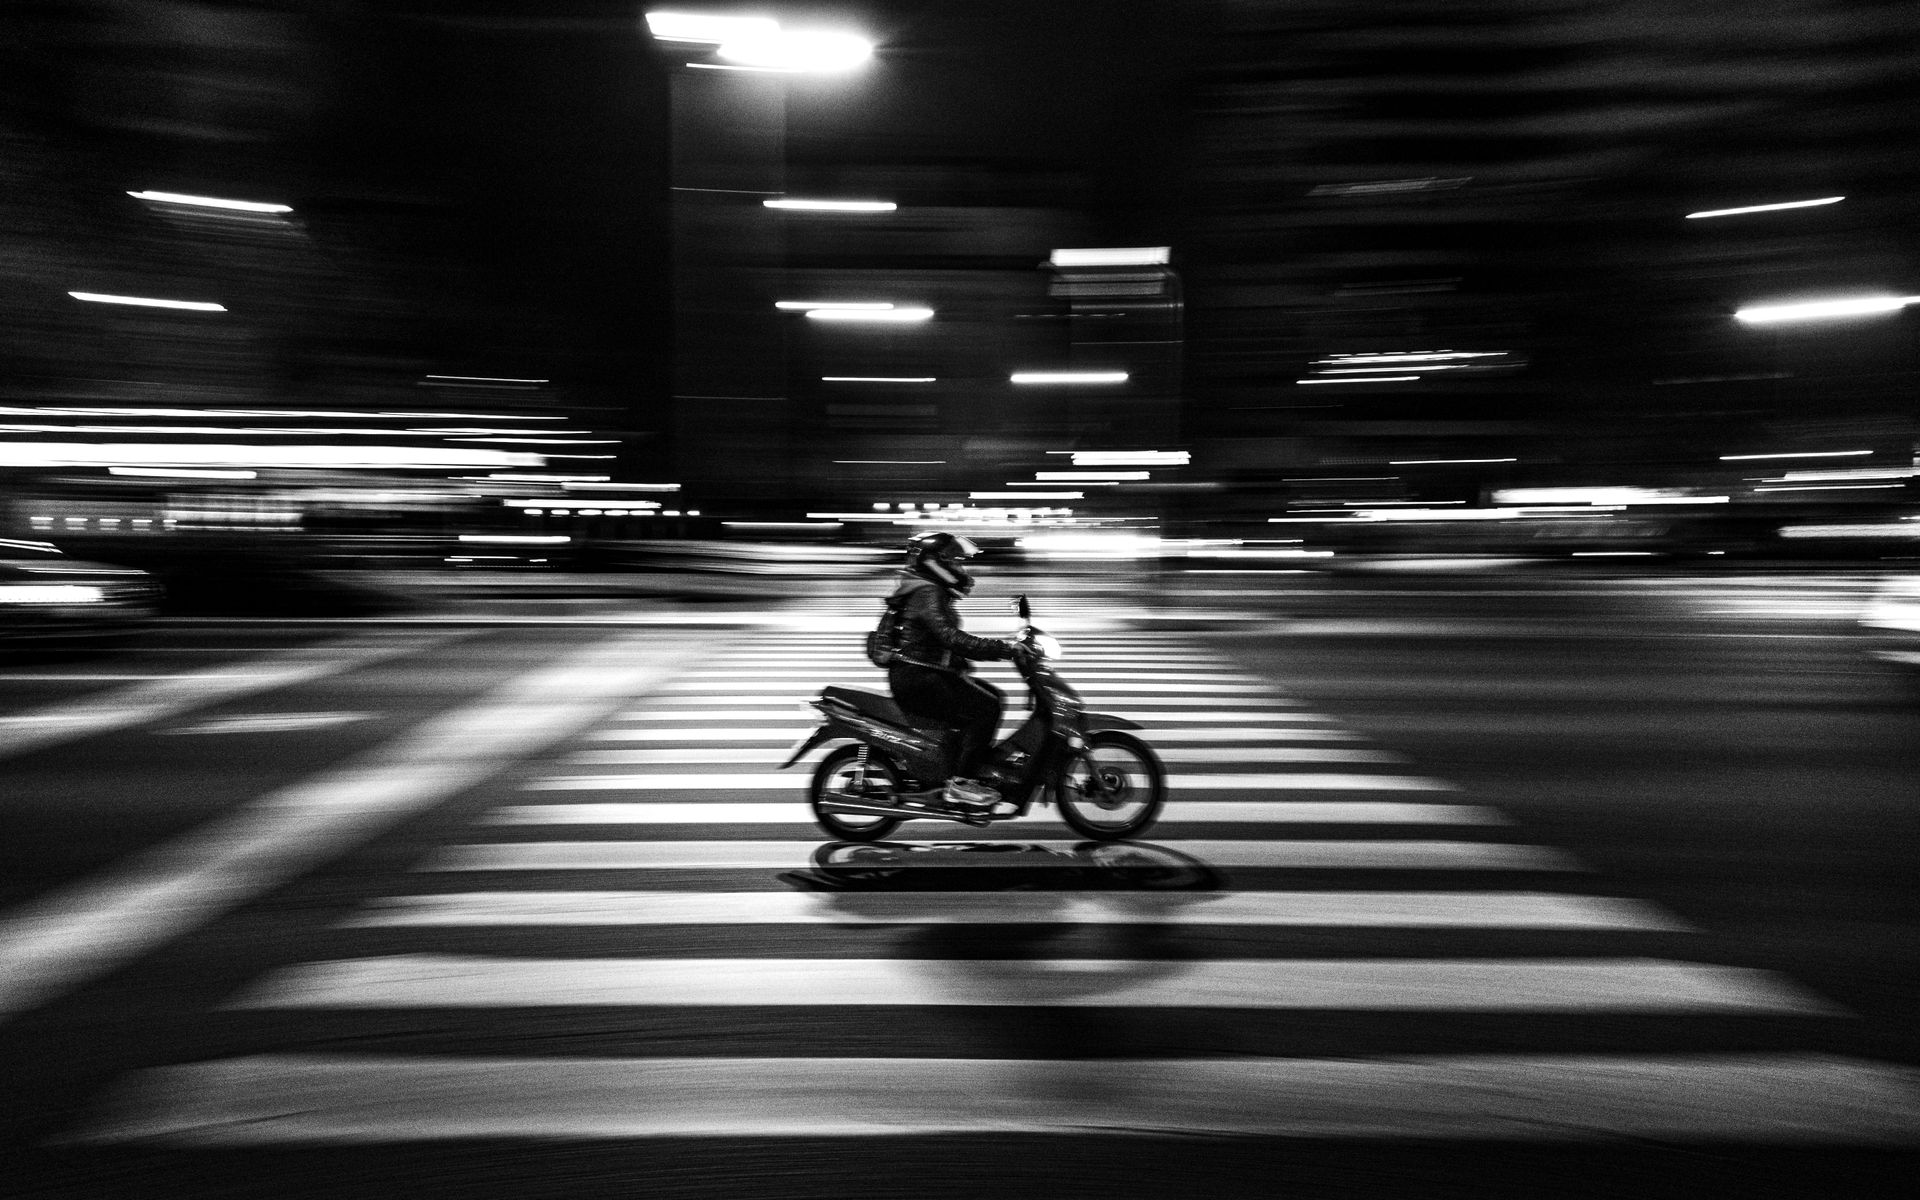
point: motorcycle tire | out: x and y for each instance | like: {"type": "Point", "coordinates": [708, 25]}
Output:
{"type": "Point", "coordinates": [1113, 789]}
{"type": "Point", "coordinates": [836, 774]}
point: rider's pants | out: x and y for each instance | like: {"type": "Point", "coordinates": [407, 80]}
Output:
{"type": "Point", "coordinates": [972, 705]}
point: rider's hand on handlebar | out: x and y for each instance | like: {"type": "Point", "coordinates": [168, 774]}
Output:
{"type": "Point", "coordinates": [1025, 655]}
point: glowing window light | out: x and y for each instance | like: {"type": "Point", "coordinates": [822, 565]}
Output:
{"type": "Point", "coordinates": [1759, 208]}
{"type": "Point", "coordinates": [148, 302]}
{"type": "Point", "coordinates": [1068, 377]}
{"type": "Point", "coordinates": [892, 315]}
{"type": "Point", "coordinates": [211, 202]}
{"type": "Point", "coordinates": [1818, 310]}
{"type": "Point", "coordinates": [804, 205]}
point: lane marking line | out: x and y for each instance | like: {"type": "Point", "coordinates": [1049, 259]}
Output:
{"type": "Point", "coordinates": [795, 812]}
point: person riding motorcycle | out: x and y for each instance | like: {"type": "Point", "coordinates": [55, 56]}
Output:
{"type": "Point", "coordinates": [931, 677]}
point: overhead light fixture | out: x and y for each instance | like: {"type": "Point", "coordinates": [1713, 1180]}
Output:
{"type": "Point", "coordinates": [148, 302]}
{"type": "Point", "coordinates": [1118, 256]}
{"type": "Point", "coordinates": [211, 202]}
{"type": "Point", "coordinates": [1071, 377]}
{"type": "Point", "coordinates": [889, 314]}
{"type": "Point", "coordinates": [1759, 208]}
{"type": "Point", "coordinates": [832, 205]}
{"type": "Point", "coordinates": [1816, 310]}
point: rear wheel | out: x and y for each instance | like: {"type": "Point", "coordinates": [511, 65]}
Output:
{"type": "Point", "coordinates": [1113, 789]}
{"type": "Point", "coordinates": [840, 776]}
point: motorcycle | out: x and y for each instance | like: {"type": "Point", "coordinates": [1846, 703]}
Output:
{"type": "Point", "coordinates": [1106, 782]}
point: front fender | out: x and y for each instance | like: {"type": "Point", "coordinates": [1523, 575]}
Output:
{"type": "Point", "coordinates": [1097, 721]}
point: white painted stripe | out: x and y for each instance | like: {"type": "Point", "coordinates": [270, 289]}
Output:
{"type": "Point", "coordinates": [787, 735]}
{"type": "Point", "coordinates": [1756, 1099]}
{"type": "Point", "coordinates": [170, 695]}
{"type": "Point", "coordinates": [1387, 910]}
{"type": "Point", "coordinates": [1076, 676]}
{"type": "Point", "coordinates": [1172, 754]}
{"type": "Point", "coordinates": [795, 704]}
{"type": "Point", "coordinates": [772, 781]}
{"type": "Point", "coordinates": [1343, 854]}
{"type": "Point", "coordinates": [79, 932]}
{"type": "Point", "coordinates": [1633, 985]}
{"type": "Point", "coordinates": [794, 812]}
{"type": "Point", "coordinates": [696, 684]}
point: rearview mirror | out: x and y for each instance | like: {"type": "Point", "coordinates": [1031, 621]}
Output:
{"type": "Point", "coordinates": [1021, 607]}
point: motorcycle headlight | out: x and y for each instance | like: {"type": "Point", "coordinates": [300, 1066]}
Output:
{"type": "Point", "coordinates": [1049, 646]}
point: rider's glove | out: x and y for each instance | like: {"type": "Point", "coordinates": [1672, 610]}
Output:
{"type": "Point", "coordinates": [1024, 655]}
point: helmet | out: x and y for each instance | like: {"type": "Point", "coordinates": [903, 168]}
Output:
{"type": "Point", "coordinates": [939, 556]}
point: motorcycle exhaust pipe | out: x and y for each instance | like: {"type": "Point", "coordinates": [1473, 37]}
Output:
{"type": "Point", "coordinates": [855, 808]}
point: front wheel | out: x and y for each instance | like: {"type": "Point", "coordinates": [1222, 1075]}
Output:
{"type": "Point", "coordinates": [1112, 789]}
{"type": "Point", "coordinates": [841, 777]}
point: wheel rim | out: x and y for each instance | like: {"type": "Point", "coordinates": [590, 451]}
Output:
{"type": "Point", "coordinates": [842, 784]}
{"type": "Point", "coordinates": [1110, 786]}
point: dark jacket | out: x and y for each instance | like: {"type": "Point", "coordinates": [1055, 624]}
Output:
{"type": "Point", "coordinates": [933, 635]}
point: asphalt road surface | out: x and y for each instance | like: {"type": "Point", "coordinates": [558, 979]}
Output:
{"type": "Point", "coordinates": [1496, 884]}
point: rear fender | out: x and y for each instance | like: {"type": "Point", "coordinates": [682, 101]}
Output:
{"type": "Point", "coordinates": [825, 731]}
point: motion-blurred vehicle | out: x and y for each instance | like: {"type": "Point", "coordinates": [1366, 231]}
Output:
{"type": "Point", "coordinates": [890, 767]}
{"type": "Point", "coordinates": [1891, 622]}
{"type": "Point", "coordinates": [47, 597]}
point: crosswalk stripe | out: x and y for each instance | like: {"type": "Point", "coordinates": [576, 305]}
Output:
{"type": "Point", "coordinates": [1390, 910]}
{"type": "Point", "coordinates": [771, 781]}
{"type": "Point", "coordinates": [701, 684]}
{"type": "Point", "coordinates": [1383, 855]}
{"type": "Point", "coordinates": [787, 735]}
{"type": "Point", "coordinates": [1172, 754]}
{"type": "Point", "coordinates": [1099, 701]}
{"type": "Point", "coordinates": [793, 812]}
{"type": "Point", "coordinates": [795, 706]}
{"type": "Point", "coordinates": [1633, 985]}
{"type": "Point", "coordinates": [1166, 676]}
{"type": "Point", "coordinates": [1769, 1099]}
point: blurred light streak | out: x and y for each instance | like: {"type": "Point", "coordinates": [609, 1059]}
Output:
{"type": "Point", "coordinates": [877, 379]}
{"type": "Point", "coordinates": [1613, 553]}
{"type": "Point", "coordinates": [1073, 377]}
{"type": "Point", "coordinates": [486, 379]}
{"type": "Point", "coordinates": [180, 473]}
{"type": "Point", "coordinates": [1369, 379]}
{"type": "Point", "coordinates": [1127, 458]}
{"type": "Point", "coordinates": [1118, 256]}
{"type": "Point", "coordinates": [799, 51]}
{"type": "Point", "coordinates": [578, 505]}
{"type": "Point", "coordinates": [527, 441]}
{"type": "Point", "coordinates": [1816, 310]}
{"type": "Point", "coordinates": [551, 478]}
{"type": "Point", "coordinates": [891, 462]}
{"type": "Point", "coordinates": [1796, 454]}
{"type": "Point", "coordinates": [1427, 462]}
{"type": "Point", "coordinates": [833, 205]}
{"type": "Point", "coordinates": [706, 27]}
{"type": "Point", "coordinates": [1425, 367]}
{"type": "Point", "coordinates": [1841, 476]}
{"type": "Point", "coordinates": [1411, 356]}
{"type": "Point", "coordinates": [211, 202]}
{"type": "Point", "coordinates": [149, 302]}
{"type": "Point", "coordinates": [516, 539]}
{"type": "Point", "coordinates": [893, 315]}
{"type": "Point", "coordinates": [107, 454]}
{"type": "Point", "coordinates": [837, 305]}
{"type": "Point", "coordinates": [1026, 495]}
{"type": "Point", "coordinates": [599, 485]}
{"type": "Point", "coordinates": [1090, 476]}
{"type": "Point", "coordinates": [1028, 483]}
{"type": "Point", "coordinates": [1834, 487]}
{"type": "Point", "coordinates": [781, 524]}
{"type": "Point", "coordinates": [1850, 531]}
{"type": "Point", "coordinates": [1757, 208]}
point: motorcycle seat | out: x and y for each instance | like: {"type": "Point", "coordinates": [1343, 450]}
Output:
{"type": "Point", "coordinates": [882, 707]}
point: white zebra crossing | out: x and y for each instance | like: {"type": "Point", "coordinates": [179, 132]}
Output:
{"type": "Point", "coordinates": [1200, 710]}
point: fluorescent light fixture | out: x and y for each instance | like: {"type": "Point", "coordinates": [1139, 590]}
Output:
{"type": "Point", "coordinates": [1819, 310]}
{"type": "Point", "coordinates": [897, 316]}
{"type": "Point", "coordinates": [1367, 379]}
{"type": "Point", "coordinates": [1075, 377]}
{"type": "Point", "coordinates": [180, 473]}
{"type": "Point", "coordinates": [877, 379]}
{"type": "Point", "coordinates": [832, 205]}
{"type": "Point", "coordinates": [1427, 462]}
{"type": "Point", "coordinates": [148, 302]}
{"type": "Point", "coordinates": [1076, 476]}
{"type": "Point", "coordinates": [1119, 256]}
{"type": "Point", "coordinates": [1026, 495]}
{"type": "Point", "coordinates": [783, 50]}
{"type": "Point", "coordinates": [1797, 454]}
{"type": "Point", "coordinates": [835, 305]}
{"type": "Point", "coordinates": [706, 27]}
{"type": "Point", "coordinates": [1756, 208]}
{"type": "Point", "coordinates": [211, 202]}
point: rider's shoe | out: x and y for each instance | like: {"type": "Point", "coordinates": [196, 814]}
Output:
{"type": "Point", "coordinates": [969, 795]}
